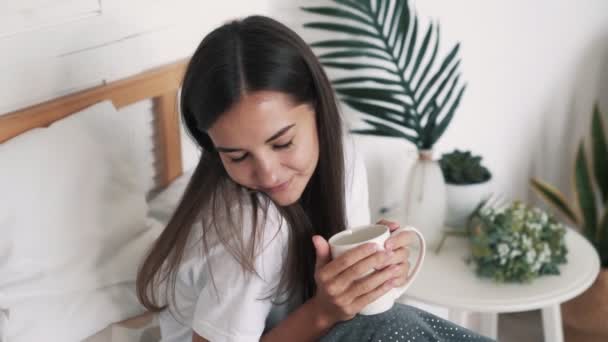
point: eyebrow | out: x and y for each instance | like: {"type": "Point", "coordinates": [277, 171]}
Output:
{"type": "Point", "coordinates": [273, 137]}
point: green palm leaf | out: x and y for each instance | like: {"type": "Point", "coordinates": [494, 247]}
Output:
{"type": "Point", "coordinates": [585, 195]}
{"type": "Point", "coordinates": [351, 53]}
{"type": "Point", "coordinates": [379, 111]}
{"type": "Point", "coordinates": [600, 153]}
{"type": "Point", "coordinates": [386, 34]}
{"type": "Point", "coordinates": [376, 94]}
{"type": "Point", "coordinates": [443, 124]}
{"type": "Point", "coordinates": [375, 80]}
{"type": "Point", "coordinates": [383, 130]}
{"type": "Point", "coordinates": [555, 198]}
{"type": "Point", "coordinates": [342, 28]}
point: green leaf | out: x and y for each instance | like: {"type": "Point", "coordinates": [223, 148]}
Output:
{"type": "Point", "coordinates": [439, 73]}
{"type": "Point", "coordinates": [392, 33]}
{"type": "Point", "coordinates": [356, 66]}
{"type": "Point", "coordinates": [355, 54]}
{"type": "Point", "coordinates": [433, 100]}
{"type": "Point", "coordinates": [412, 44]}
{"type": "Point", "coordinates": [381, 129]}
{"type": "Point", "coordinates": [436, 110]}
{"type": "Point", "coordinates": [586, 197]}
{"type": "Point", "coordinates": [347, 43]}
{"type": "Point", "coordinates": [427, 68]}
{"type": "Point", "coordinates": [382, 13]}
{"type": "Point", "coordinates": [339, 13]}
{"type": "Point", "coordinates": [443, 125]}
{"type": "Point", "coordinates": [422, 51]}
{"type": "Point", "coordinates": [600, 153]}
{"type": "Point", "coordinates": [356, 5]}
{"type": "Point", "coordinates": [390, 43]}
{"type": "Point", "coordinates": [379, 112]}
{"type": "Point", "coordinates": [402, 31]}
{"type": "Point", "coordinates": [378, 80]}
{"type": "Point", "coordinates": [376, 94]}
{"type": "Point", "coordinates": [555, 198]}
{"type": "Point", "coordinates": [341, 28]}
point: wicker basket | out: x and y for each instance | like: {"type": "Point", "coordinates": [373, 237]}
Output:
{"type": "Point", "coordinates": [586, 316]}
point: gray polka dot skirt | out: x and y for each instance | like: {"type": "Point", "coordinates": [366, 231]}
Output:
{"type": "Point", "coordinates": [402, 323]}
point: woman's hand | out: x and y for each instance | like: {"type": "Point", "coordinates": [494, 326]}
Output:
{"type": "Point", "coordinates": [397, 246]}
{"type": "Point", "coordinates": [343, 288]}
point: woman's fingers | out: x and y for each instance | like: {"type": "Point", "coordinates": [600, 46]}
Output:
{"type": "Point", "coordinates": [363, 267]}
{"type": "Point", "coordinates": [396, 257]}
{"type": "Point", "coordinates": [390, 224]}
{"type": "Point", "coordinates": [401, 239]}
{"type": "Point", "coordinates": [345, 261]}
{"type": "Point", "coordinates": [360, 302]}
{"type": "Point", "coordinates": [372, 281]}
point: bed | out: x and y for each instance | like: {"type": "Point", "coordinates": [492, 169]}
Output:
{"type": "Point", "coordinates": [59, 283]}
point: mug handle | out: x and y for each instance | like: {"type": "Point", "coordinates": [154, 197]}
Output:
{"type": "Point", "coordinates": [398, 291]}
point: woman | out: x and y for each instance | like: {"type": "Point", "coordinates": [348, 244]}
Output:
{"type": "Point", "coordinates": [245, 256]}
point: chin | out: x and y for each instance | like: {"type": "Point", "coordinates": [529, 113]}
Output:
{"type": "Point", "coordinates": [285, 199]}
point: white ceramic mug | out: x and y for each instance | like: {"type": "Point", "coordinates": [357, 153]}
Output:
{"type": "Point", "coordinates": [378, 234]}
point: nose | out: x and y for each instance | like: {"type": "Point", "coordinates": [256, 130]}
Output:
{"type": "Point", "coordinates": [266, 172]}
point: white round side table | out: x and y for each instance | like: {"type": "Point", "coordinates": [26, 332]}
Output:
{"type": "Point", "coordinates": [446, 280]}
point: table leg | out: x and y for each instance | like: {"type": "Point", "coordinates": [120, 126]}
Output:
{"type": "Point", "coordinates": [552, 323]}
{"type": "Point", "coordinates": [489, 324]}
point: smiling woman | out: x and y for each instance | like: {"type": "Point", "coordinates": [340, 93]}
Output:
{"type": "Point", "coordinates": [273, 144]}
{"type": "Point", "coordinates": [245, 256]}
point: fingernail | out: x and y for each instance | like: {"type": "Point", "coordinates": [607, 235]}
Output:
{"type": "Point", "coordinates": [372, 247]}
{"type": "Point", "coordinates": [389, 253]}
{"type": "Point", "coordinates": [388, 245]}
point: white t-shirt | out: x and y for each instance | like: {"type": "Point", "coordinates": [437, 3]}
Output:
{"type": "Point", "coordinates": [237, 311]}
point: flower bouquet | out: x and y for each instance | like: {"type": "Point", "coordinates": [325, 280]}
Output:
{"type": "Point", "coordinates": [516, 244]}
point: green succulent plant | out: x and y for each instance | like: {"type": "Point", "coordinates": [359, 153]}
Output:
{"type": "Point", "coordinates": [394, 78]}
{"type": "Point", "coordinates": [590, 216]}
{"type": "Point", "coordinates": [461, 167]}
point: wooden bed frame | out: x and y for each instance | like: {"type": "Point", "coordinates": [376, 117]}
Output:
{"type": "Point", "coordinates": [160, 84]}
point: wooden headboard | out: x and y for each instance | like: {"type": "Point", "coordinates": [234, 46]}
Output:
{"type": "Point", "coordinates": [160, 84]}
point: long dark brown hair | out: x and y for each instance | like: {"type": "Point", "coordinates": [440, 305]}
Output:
{"type": "Point", "coordinates": [253, 54]}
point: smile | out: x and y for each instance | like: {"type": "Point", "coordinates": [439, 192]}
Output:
{"type": "Point", "coordinates": [281, 187]}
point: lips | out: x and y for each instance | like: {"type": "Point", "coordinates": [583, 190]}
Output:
{"type": "Point", "coordinates": [279, 187]}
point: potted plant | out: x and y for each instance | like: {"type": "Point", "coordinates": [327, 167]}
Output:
{"type": "Point", "coordinates": [397, 83]}
{"type": "Point", "coordinates": [585, 316]}
{"type": "Point", "coordinates": [467, 184]}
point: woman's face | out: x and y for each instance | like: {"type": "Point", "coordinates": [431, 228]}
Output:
{"type": "Point", "coordinates": [267, 143]}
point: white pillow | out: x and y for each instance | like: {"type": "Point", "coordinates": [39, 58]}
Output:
{"type": "Point", "coordinates": [163, 204]}
{"type": "Point", "coordinates": [73, 211]}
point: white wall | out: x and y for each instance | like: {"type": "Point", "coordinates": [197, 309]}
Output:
{"type": "Point", "coordinates": [533, 70]}
{"type": "Point", "coordinates": [50, 48]}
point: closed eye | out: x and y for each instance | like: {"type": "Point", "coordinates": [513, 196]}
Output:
{"type": "Point", "coordinates": [280, 147]}
{"type": "Point", "coordinates": [276, 147]}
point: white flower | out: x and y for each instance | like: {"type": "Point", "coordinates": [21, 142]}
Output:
{"type": "Point", "coordinates": [526, 241]}
{"type": "Point", "coordinates": [515, 253]}
{"type": "Point", "coordinates": [503, 249]}
{"type": "Point", "coordinates": [530, 256]}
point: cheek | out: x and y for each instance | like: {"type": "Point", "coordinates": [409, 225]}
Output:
{"type": "Point", "coordinates": [237, 173]}
{"type": "Point", "coordinates": [305, 158]}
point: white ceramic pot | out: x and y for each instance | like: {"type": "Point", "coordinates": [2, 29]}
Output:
{"type": "Point", "coordinates": [425, 198]}
{"type": "Point", "coordinates": [462, 201]}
